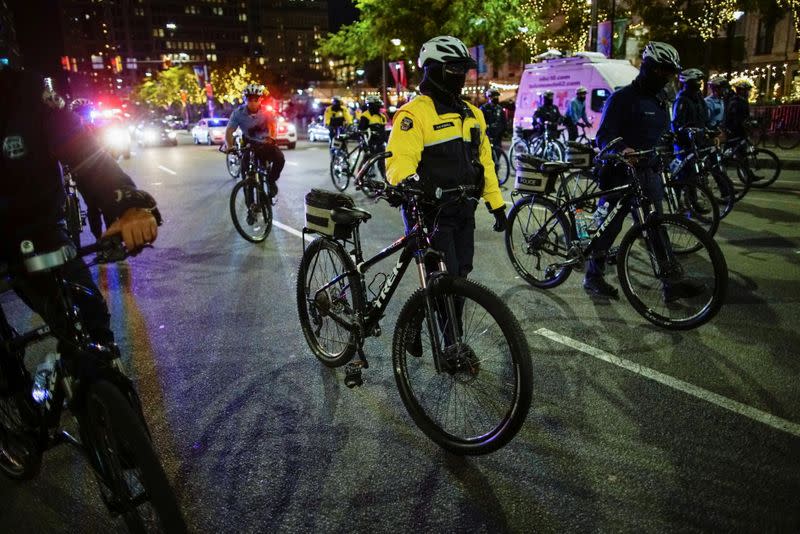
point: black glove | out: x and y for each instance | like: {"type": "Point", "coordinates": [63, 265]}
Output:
{"type": "Point", "coordinates": [394, 199]}
{"type": "Point", "coordinates": [499, 219]}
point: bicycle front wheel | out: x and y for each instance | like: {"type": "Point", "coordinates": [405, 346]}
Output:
{"type": "Point", "coordinates": [234, 164]}
{"type": "Point", "coordinates": [537, 241]}
{"type": "Point", "coordinates": [323, 306]}
{"type": "Point", "coordinates": [787, 140]}
{"type": "Point", "coordinates": [501, 166]}
{"type": "Point", "coordinates": [251, 211]}
{"type": "Point", "coordinates": [340, 170]}
{"type": "Point", "coordinates": [693, 290]}
{"type": "Point", "coordinates": [133, 482]}
{"type": "Point", "coordinates": [478, 399]}
{"type": "Point", "coordinates": [765, 167]}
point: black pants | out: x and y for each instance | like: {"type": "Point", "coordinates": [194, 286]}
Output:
{"type": "Point", "coordinates": [610, 178]}
{"type": "Point", "coordinates": [454, 236]}
{"type": "Point", "coordinates": [267, 152]}
{"type": "Point", "coordinates": [572, 129]}
{"type": "Point", "coordinates": [38, 292]}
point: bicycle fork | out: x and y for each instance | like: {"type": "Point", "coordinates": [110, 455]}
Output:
{"type": "Point", "coordinates": [442, 318]}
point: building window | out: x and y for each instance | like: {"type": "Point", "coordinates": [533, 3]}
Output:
{"type": "Point", "coordinates": [765, 36]}
{"type": "Point", "coordinates": [245, 39]}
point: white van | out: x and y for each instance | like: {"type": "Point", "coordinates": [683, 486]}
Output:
{"type": "Point", "coordinates": [601, 77]}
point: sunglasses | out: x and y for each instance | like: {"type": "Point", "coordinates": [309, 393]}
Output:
{"type": "Point", "coordinates": [456, 68]}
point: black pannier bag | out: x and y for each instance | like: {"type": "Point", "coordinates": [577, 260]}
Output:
{"type": "Point", "coordinates": [319, 204]}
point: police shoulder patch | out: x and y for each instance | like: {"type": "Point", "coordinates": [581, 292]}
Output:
{"type": "Point", "coordinates": [406, 124]}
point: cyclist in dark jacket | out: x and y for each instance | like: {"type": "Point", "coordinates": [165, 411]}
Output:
{"type": "Point", "coordinates": [638, 113]}
{"type": "Point", "coordinates": [737, 109]}
{"type": "Point", "coordinates": [495, 117]}
{"type": "Point", "coordinates": [689, 110]}
{"type": "Point", "coordinates": [36, 137]}
{"type": "Point", "coordinates": [548, 113]}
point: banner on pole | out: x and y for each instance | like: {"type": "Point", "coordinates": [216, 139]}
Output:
{"type": "Point", "coordinates": [604, 37]}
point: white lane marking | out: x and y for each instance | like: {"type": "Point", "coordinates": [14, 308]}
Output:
{"type": "Point", "coordinates": [770, 200]}
{"type": "Point", "coordinates": [292, 163]}
{"type": "Point", "coordinates": [702, 394]}
{"type": "Point", "coordinates": [291, 230]}
{"type": "Point", "coordinates": [166, 169]}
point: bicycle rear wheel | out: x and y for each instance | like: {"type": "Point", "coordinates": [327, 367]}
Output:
{"type": "Point", "coordinates": [535, 246]}
{"type": "Point", "coordinates": [501, 166]}
{"type": "Point", "coordinates": [477, 402]}
{"type": "Point", "coordinates": [696, 203]}
{"type": "Point", "coordinates": [340, 169]}
{"type": "Point", "coordinates": [251, 211]}
{"type": "Point", "coordinates": [20, 454]}
{"type": "Point", "coordinates": [323, 261]}
{"type": "Point", "coordinates": [133, 482]}
{"type": "Point", "coordinates": [787, 140]}
{"type": "Point", "coordinates": [764, 166]}
{"type": "Point", "coordinates": [578, 183]}
{"type": "Point", "coordinates": [699, 279]}
{"type": "Point", "coordinates": [739, 178]}
{"type": "Point", "coordinates": [719, 185]}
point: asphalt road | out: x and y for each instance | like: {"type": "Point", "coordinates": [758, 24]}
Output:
{"type": "Point", "coordinates": [632, 428]}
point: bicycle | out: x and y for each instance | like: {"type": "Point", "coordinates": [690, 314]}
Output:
{"type": "Point", "coordinates": [501, 165]}
{"type": "Point", "coordinates": [251, 198]}
{"type": "Point", "coordinates": [455, 340]}
{"type": "Point", "coordinates": [754, 167]}
{"type": "Point", "coordinates": [89, 380]}
{"type": "Point", "coordinates": [346, 163]}
{"type": "Point", "coordinates": [75, 217]}
{"type": "Point", "coordinates": [582, 138]}
{"type": "Point", "coordinates": [655, 258]}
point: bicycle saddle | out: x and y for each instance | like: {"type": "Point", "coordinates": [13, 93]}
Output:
{"type": "Point", "coordinates": [348, 216]}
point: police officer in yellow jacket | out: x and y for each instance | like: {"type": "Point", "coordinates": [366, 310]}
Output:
{"type": "Point", "coordinates": [372, 123]}
{"type": "Point", "coordinates": [441, 139]}
{"type": "Point", "coordinates": [336, 116]}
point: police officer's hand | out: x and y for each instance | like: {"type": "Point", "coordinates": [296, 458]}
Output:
{"type": "Point", "coordinates": [499, 219]}
{"type": "Point", "coordinates": [138, 228]}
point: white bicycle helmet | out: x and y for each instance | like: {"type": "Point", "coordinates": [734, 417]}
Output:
{"type": "Point", "coordinates": [691, 75]}
{"type": "Point", "coordinates": [445, 49]}
{"type": "Point", "coordinates": [718, 81]}
{"type": "Point", "coordinates": [662, 54]}
{"type": "Point", "coordinates": [374, 100]}
{"type": "Point", "coordinates": [493, 92]}
{"type": "Point", "coordinates": [253, 89]}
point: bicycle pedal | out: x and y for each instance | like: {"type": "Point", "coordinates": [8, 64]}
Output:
{"type": "Point", "coordinates": [352, 375]}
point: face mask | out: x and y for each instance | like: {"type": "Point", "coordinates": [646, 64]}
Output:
{"type": "Point", "coordinates": [548, 101]}
{"type": "Point", "coordinates": [449, 78]}
{"type": "Point", "coordinates": [337, 107]}
{"type": "Point", "coordinates": [653, 78]}
{"type": "Point", "coordinates": [373, 108]}
{"type": "Point", "coordinates": [581, 97]}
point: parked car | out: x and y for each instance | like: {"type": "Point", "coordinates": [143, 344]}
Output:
{"type": "Point", "coordinates": [155, 132]}
{"type": "Point", "coordinates": [287, 134]}
{"type": "Point", "coordinates": [176, 123]}
{"type": "Point", "coordinates": [210, 131]}
{"type": "Point", "coordinates": [317, 131]}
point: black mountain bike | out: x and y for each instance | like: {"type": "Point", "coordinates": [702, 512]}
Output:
{"type": "Point", "coordinates": [754, 167]}
{"type": "Point", "coordinates": [251, 202]}
{"type": "Point", "coordinates": [460, 359]}
{"type": "Point", "coordinates": [89, 380]}
{"type": "Point", "coordinates": [655, 258]}
{"type": "Point", "coordinates": [346, 163]}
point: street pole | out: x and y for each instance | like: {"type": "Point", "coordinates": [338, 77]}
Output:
{"type": "Point", "coordinates": [593, 28]}
{"type": "Point", "coordinates": [383, 79]}
{"type": "Point", "coordinates": [613, 25]}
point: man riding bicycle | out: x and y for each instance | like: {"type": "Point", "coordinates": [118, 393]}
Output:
{"type": "Point", "coordinates": [336, 117]}
{"type": "Point", "coordinates": [495, 117]}
{"type": "Point", "coordinates": [576, 113]}
{"type": "Point", "coordinates": [372, 124]}
{"type": "Point", "coordinates": [259, 131]}
{"type": "Point", "coordinates": [547, 115]}
{"type": "Point", "coordinates": [36, 138]}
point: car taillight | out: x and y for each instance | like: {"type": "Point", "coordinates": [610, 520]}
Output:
{"type": "Point", "coordinates": [282, 129]}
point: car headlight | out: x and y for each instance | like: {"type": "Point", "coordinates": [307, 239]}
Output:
{"type": "Point", "coordinates": [150, 136]}
{"type": "Point", "coordinates": [172, 135]}
{"type": "Point", "coordinates": [292, 129]}
{"type": "Point", "coordinates": [116, 137]}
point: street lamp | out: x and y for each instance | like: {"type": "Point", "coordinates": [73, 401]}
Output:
{"type": "Point", "coordinates": [395, 42]}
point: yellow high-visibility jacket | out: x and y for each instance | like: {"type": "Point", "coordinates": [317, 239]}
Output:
{"type": "Point", "coordinates": [435, 144]}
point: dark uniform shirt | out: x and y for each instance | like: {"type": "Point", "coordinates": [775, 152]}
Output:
{"type": "Point", "coordinates": [737, 111]}
{"type": "Point", "coordinates": [549, 113]}
{"type": "Point", "coordinates": [495, 117]}
{"type": "Point", "coordinates": [635, 114]}
{"type": "Point", "coordinates": [35, 138]}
